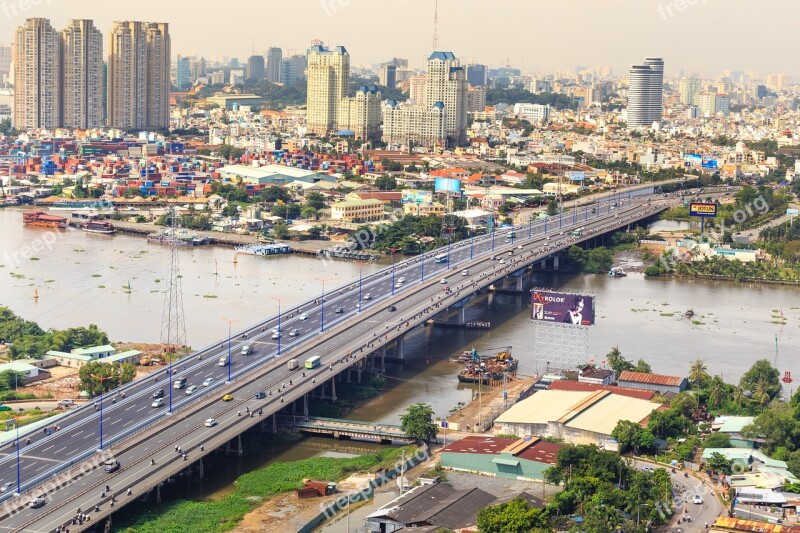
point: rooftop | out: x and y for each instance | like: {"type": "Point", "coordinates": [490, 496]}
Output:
{"type": "Point", "coordinates": [732, 424]}
{"type": "Point", "coordinates": [653, 379]}
{"type": "Point", "coordinates": [569, 385]}
{"type": "Point", "coordinates": [478, 444]}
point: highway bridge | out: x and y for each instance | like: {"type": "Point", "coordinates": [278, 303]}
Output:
{"type": "Point", "coordinates": [346, 328]}
{"type": "Point", "coordinates": [347, 429]}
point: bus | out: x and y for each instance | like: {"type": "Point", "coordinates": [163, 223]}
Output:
{"type": "Point", "coordinates": [441, 258]}
{"type": "Point", "coordinates": [313, 362]}
{"type": "Point", "coordinates": [578, 232]}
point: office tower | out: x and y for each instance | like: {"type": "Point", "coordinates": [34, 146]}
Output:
{"type": "Point", "coordinates": [218, 77]}
{"type": "Point", "coordinates": [476, 99]}
{"type": "Point", "coordinates": [477, 75]}
{"type": "Point", "coordinates": [37, 75]}
{"type": "Point", "coordinates": [447, 83]}
{"type": "Point", "coordinates": [689, 88]}
{"type": "Point", "coordinates": [274, 56]}
{"type": "Point", "coordinates": [82, 60]}
{"type": "Point", "coordinates": [399, 62]}
{"type": "Point", "coordinates": [138, 75]}
{"type": "Point", "coordinates": [328, 77]}
{"type": "Point", "coordinates": [292, 69]}
{"type": "Point", "coordinates": [414, 125]}
{"type": "Point", "coordinates": [183, 73]}
{"type": "Point", "coordinates": [710, 103]}
{"type": "Point", "coordinates": [197, 69]}
{"type": "Point", "coordinates": [361, 114]}
{"type": "Point", "coordinates": [645, 93]}
{"type": "Point", "coordinates": [533, 113]}
{"type": "Point", "coordinates": [236, 77]}
{"type": "Point", "coordinates": [388, 76]}
{"type": "Point", "coordinates": [5, 63]}
{"type": "Point", "coordinates": [255, 68]}
{"type": "Point", "coordinates": [776, 82]}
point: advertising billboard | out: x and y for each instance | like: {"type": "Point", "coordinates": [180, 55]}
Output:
{"type": "Point", "coordinates": [447, 185]}
{"type": "Point", "coordinates": [413, 196]}
{"type": "Point", "coordinates": [702, 210]}
{"type": "Point", "coordinates": [562, 307]}
{"type": "Point", "coordinates": [576, 175]}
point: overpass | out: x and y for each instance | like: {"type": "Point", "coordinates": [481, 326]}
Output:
{"type": "Point", "coordinates": [347, 429]}
{"type": "Point", "coordinates": [346, 328]}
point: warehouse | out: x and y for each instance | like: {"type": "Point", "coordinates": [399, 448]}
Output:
{"type": "Point", "coordinates": [525, 458]}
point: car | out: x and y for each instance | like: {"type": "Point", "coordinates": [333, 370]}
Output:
{"type": "Point", "coordinates": [398, 285]}
{"type": "Point", "coordinates": [158, 402]}
{"type": "Point", "coordinates": [210, 423]}
{"type": "Point", "coordinates": [443, 281]}
{"type": "Point", "coordinates": [339, 310]}
{"type": "Point", "coordinates": [276, 335]}
{"type": "Point", "coordinates": [227, 398]}
{"type": "Point", "coordinates": [391, 309]}
{"type": "Point", "coordinates": [159, 393]}
{"type": "Point", "coordinates": [37, 502]}
{"type": "Point", "coordinates": [519, 247]}
{"type": "Point", "coordinates": [191, 390]}
{"type": "Point", "coordinates": [502, 261]}
{"type": "Point", "coordinates": [208, 381]}
{"type": "Point", "coordinates": [66, 403]}
{"type": "Point", "coordinates": [647, 469]}
{"type": "Point", "coordinates": [294, 333]}
{"type": "Point", "coordinates": [260, 395]}
{"type": "Point", "coordinates": [465, 272]}
{"type": "Point", "coordinates": [303, 316]}
{"type": "Point", "coordinates": [5, 487]}
{"type": "Point", "coordinates": [697, 499]}
{"type": "Point", "coordinates": [276, 329]}
{"type": "Point", "coordinates": [368, 296]}
{"type": "Point", "coordinates": [111, 465]}
{"type": "Point", "coordinates": [401, 279]}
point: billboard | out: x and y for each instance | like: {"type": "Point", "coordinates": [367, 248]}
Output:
{"type": "Point", "coordinates": [562, 307]}
{"type": "Point", "coordinates": [702, 210]}
{"type": "Point", "coordinates": [576, 175]}
{"type": "Point", "coordinates": [447, 185]}
{"type": "Point", "coordinates": [413, 196]}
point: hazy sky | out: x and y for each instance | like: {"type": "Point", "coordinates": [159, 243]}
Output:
{"type": "Point", "coordinates": [707, 35]}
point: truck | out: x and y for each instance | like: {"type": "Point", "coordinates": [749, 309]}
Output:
{"type": "Point", "coordinates": [292, 364]}
{"type": "Point", "coordinates": [179, 383]}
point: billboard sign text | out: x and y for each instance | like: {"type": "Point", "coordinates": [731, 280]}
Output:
{"type": "Point", "coordinates": [563, 308]}
{"type": "Point", "coordinates": [703, 210]}
{"type": "Point", "coordinates": [447, 185]}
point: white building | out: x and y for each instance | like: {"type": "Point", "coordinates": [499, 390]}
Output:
{"type": "Point", "coordinates": [82, 56]}
{"type": "Point", "coordinates": [361, 114]}
{"type": "Point", "coordinates": [533, 113]}
{"type": "Point", "coordinates": [689, 88]}
{"type": "Point", "coordinates": [646, 93]}
{"type": "Point", "coordinates": [328, 78]}
{"type": "Point", "coordinates": [447, 83]}
{"type": "Point", "coordinates": [405, 124]}
{"type": "Point", "coordinates": [710, 104]}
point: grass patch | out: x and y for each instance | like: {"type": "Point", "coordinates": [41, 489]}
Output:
{"type": "Point", "coordinates": [668, 314]}
{"type": "Point", "coordinates": [698, 323]}
{"type": "Point", "coordinates": [209, 296]}
{"type": "Point", "coordinates": [101, 286]}
{"type": "Point", "coordinates": [34, 259]}
{"type": "Point", "coordinates": [96, 275]}
{"type": "Point", "coordinates": [17, 276]}
{"type": "Point", "coordinates": [251, 490]}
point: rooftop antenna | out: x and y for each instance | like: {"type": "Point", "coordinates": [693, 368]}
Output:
{"type": "Point", "coordinates": [436, 26]}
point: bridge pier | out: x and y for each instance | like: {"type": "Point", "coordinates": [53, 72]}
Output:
{"type": "Point", "coordinates": [274, 430]}
{"type": "Point", "coordinates": [333, 389]}
{"type": "Point", "coordinates": [399, 352]}
{"type": "Point", "coordinates": [158, 493]}
{"type": "Point", "coordinates": [555, 262]}
{"type": "Point", "coordinates": [200, 470]}
{"type": "Point", "coordinates": [305, 404]}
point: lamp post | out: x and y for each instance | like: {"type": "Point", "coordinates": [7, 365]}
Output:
{"type": "Point", "coordinates": [280, 333]}
{"type": "Point", "coordinates": [471, 243]}
{"type": "Point", "coordinates": [230, 322]}
{"type": "Point", "coordinates": [530, 226]}
{"type": "Point", "coordinates": [360, 280]}
{"type": "Point", "coordinates": [16, 426]}
{"type": "Point", "coordinates": [102, 381]}
{"type": "Point", "coordinates": [322, 306]}
{"type": "Point", "coordinates": [392, 250]}
{"type": "Point", "coordinates": [449, 240]}
{"type": "Point", "coordinates": [422, 268]}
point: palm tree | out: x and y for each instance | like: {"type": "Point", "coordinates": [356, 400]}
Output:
{"type": "Point", "coordinates": [697, 373]}
{"type": "Point", "coordinates": [761, 394]}
{"type": "Point", "coordinates": [739, 396]}
{"type": "Point", "coordinates": [614, 357]}
{"type": "Point", "coordinates": [716, 392]}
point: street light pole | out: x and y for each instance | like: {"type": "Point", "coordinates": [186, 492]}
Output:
{"type": "Point", "coordinates": [322, 304]}
{"type": "Point", "coordinates": [392, 250]}
{"type": "Point", "coordinates": [16, 426]}
{"type": "Point", "coordinates": [280, 333]}
{"type": "Point", "coordinates": [102, 381]}
{"type": "Point", "coordinates": [471, 243]}
{"type": "Point", "coordinates": [230, 322]}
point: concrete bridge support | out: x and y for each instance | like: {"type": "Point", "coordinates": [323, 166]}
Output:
{"type": "Point", "coordinates": [200, 470]}
{"type": "Point", "coordinates": [333, 389]}
{"type": "Point", "coordinates": [305, 405]}
{"type": "Point", "coordinates": [158, 493]}
{"type": "Point", "coordinates": [555, 262]}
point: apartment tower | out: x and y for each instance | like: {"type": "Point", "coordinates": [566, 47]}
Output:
{"type": "Point", "coordinates": [37, 75]}
{"type": "Point", "coordinates": [328, 77]}
{"type": "Point", "coordinates": [274, 56]}
{"type": "Point", "coordinates": [139, 76]}
{"type": "Point", "coordinates": [82, 56]}
{"type": "Point", "coordinates": [447, 83]}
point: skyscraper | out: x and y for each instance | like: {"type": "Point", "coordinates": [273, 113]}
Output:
{"type": "Point", "coordinates": [82, 56]}
{"type": "Point", "coordinates": [645, 93]}
{"type": "Point", "coordinates": [388, 76]}
{"type": "Point", "coordinates": [138, 75]}
{"type": "Point", "coordinates": [689, 88]}
{"type": "Point", "coordinates": [37, 75]}
{"type": "Point", "coordinates": [255, 68]}
{"type": "Point", "coordinates": [477, 75]}
{"type": "Point", "coordinates": [274, 56]}
{"type": "Point", "coordinates": [5, 62]}
{"type": "Point", "coordinates": [292, 69]}
{"type": "Point", "coordinates": [328, 77]}
{"type": "Point", "coordinates": [361, 114]}
{"type": "Point", "coordinates": [183, 73]}
{"type": "Point", "coordinates": [447, 83]}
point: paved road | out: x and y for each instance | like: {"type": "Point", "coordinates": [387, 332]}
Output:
{"type": "Point", "coordinates": [350, 336]}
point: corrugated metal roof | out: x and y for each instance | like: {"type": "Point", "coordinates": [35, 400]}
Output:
{"type": "Point", "coordinates": [566, 384]}
{"type": "Point", "coordinates": [478, 444]}
{"type": "Point", "coordinates": [653, 379]}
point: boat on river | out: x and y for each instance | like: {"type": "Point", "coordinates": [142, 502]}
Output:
{"type": "Point", "coordinates": [43, 220]}
{"type": "Point", "coordinates": [488, 371]}
{"type": "Point", "coordinates": [99, 226]}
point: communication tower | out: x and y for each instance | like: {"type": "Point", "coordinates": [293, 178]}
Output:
{"type": "Point", "coordinates": [173, 324]}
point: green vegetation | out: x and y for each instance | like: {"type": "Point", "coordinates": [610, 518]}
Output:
{"type": "Point", "coordinates": [28, 340]}
{"type": "Point", "coordinates": [348, 395]}
{"type": "Point", "coordinates": [417, 422]}
{"type": "Point", "coordinates": [251, 490]}
{"type": "Point", "coordinates": [619, 364]}
{"type": "Point", "coordinates": [412, 234]}
{"type": "Point", "coordinates": [633, 438]}
{"type": "Point", "coordinates": [518, 96]}
{"type": "Point", "coordinates": [514, 516]}
{"type": "Point", "coordinates": [97, 377]}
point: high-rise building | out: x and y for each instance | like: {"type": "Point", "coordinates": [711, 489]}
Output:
{"type": "Point", "coordinates": [388, 75]}
{"type": "Point", "coordinates": [689, 88]}
{"type": "Point", "coordinates": [477, 75]}
{"type": "Point", "coordinates": [5, 63]}
{"type": "Point", "coordinates": [447, 83]}
{"type": "Point", "coordinates": [417, 125]}
{"type": "Point", "coordinates": [776, 82]}
{"type": "Point", "coordinates": [418, 88]}
{"type": "Point", "coordinates": [292, 69]}
{"type": "Point", "coordinates": [476, 99]}
{"type": "Point", "coordinates": [646, 93]}
{"type": "Point", "coordinates": [82, 60]}
{"type": "Point", "coordinates": [183, 73]}
{"type": "Point", "coordinates": [138, 75]}
{"type": "Point", "coordinates": [37, 75]}
{"type": "Point", "coordinates": [274, 56]}
{"type": "Point", "coordinates": [328, 78]}
{"type": "Point", "coordinates": [361, 114]}
{"type": "Point", "coordinates": [255, 68]}
{"type": "Point", "coordinates": [710, 103]}
{"type": "Point", "coordinates": [218, 77]}
{"type": "Point", "coordinates": [533, 113]}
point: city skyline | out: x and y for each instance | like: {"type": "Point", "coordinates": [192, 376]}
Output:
{"type": "Point", "coordinates": [615, 33]}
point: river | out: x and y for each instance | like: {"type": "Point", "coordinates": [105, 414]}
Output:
{"type": "Point", "coordinates": [82, 278]}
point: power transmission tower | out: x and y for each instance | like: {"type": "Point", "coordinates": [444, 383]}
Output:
{"type": "Point", "coordinates": [173, 324]}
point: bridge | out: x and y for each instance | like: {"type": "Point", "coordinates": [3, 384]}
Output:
{"type": "Point", "coordinates": [348, 429]}
{"type": "Point", "coordinates": [347, 328]}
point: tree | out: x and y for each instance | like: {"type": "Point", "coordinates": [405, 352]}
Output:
{"type": "Point", "coordinates": [698, 372]}
{"type": "Point", "coordinates": [230, 211]}
{"type": "Point", "coordinates": [516, 516]}
{"type": "Point", "coordinates": [552, 208]}
{"type": "Point", "coordinates": [717, 440]}
{"type": "Point", "coordinates": [307, 212]}
{"type": "Point", "coordinates": [777, 426]}
{"type": "Point", "coordinates": [417, 422]}
{"type": "Point", "coordinates": [685, 403]}
{"type": "Point", "coordinates": [227, 151]}
{"type": "Point", "coordinates": [762, 371]}
{"type": "Point", "coordinates": [386, 183]}
{"type": "Point", "coordinates": [315, 200]}
{"type": "Point", "coordinates": [720, 464]}
{"type": "Point", "coordinates": [280, 231]}
{"type": "Point", "coordinates": [633, 437]}
{"type": "Point", "coordinates": [617, 362]}
{"type": "Point", "coordinates": [113, 375]}
{"type": "Point", "coordinates": [274, 193]}
{"type": "Point", "coordinates": [643, 367]}
{"type": "Point", "coordinates": [716, 392]}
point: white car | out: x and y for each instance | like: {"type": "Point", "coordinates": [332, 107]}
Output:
{"type": "Point", "coordinates": [303, 316]}
{"type": "Point", "coordinates": [294, 333]}
{"type": "Point", "coordinates": [191, 390]}
{"type": "Point", "coordinates": [368, 296]}
{"type": "Point", "coordinates": [465, 272]}
{"type": "Point", "coordinates": [276, 335]}
{"type": "Point", "coordinates": [208, 381]}
{"type": "Point", "coordinates": [276, 329]}
{"type": "Point", "coordinates": [443, 282]}
{"type": "Point", "coordinates": [697, 499]}
{"type": "Point", "coordinates": [401, 279]}
{"type": "Point", "coordinates": [6, 486]}
{"type": "Point", "coordinates": [210, 423]}
{"type": "Point", "coordinates": [502, 261]}
{"type": "Point", "coordinates": [159, 402]}
{"type": "Point", "coordinates": [398, 285]}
